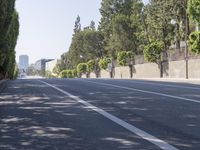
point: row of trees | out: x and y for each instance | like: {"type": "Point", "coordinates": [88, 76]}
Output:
{"type": "Point", "coordinates": [131, 26]}
{"type": "Point", "coordinates": [9, 30]}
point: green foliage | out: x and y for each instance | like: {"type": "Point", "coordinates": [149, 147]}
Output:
{"type": "Point", "coordinates": [49, 74]}
{"type": "Point", "coordinates": [152, 52]}
{"type": "Point", "coordinates": [82, 68]}
{"type": "Point", "coordinates": [122, 35]}
{"type": "Point", "coordinates": [11, 39]}
{"type": "Point", "coordinates": [92, 25]}
{"type": "Point", "coordinates": [121, 24]}
{"type": "Point", "coordinates": [158, 20]}
{"type": "Point", "coordinates": [77, 26]}
{"type": "Point", "coordinates": [194, 42]}
{"type": "Point", "coordinates": [92, 44]}
{"type": "Point", "coordinates": [16, 72]}
{"type": "Point", "coordinates": [88, 44]}
{"type": "Point", "coordinates": [57, 68]}
{"type": "Point", "coordinates": [103, 63]}
{"type": "Point", "coordinates": [9, 30]}
{"type": "Point", "coordinates": [6, 12]}
{"type": "Point", "coordinates": [124, 57]}
{"type": "Point", "coordinates": [91, 65]}
{"type": "Point", "coordinates": [194, 10]}
{"type": "Point", "coordinates": [130, 25]}
{"type": "Point", "coordinates": [130, 54]}
{"type": "Point", "coordinates": [67, 74]}
{"type": "Point", "coordinates": [75, 73]}
{"type": "Point", "coordinates": [121, 58]}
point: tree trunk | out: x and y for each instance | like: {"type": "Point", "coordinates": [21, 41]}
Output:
{"type": "Point", "coordinates": [198, 27]}
{"type": "Point", "coordinates": [161, 69]}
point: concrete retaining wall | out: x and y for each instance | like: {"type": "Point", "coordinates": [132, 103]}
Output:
{"type": "Point", "coordinates": [176, 69]}
{"type": "Point", "coordinates": [194, 68]}
{"type": "Point", "coordinates": [147, 70]}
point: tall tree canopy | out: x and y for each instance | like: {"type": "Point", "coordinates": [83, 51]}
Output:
{"type": "Point", "coordinates": [120, 25]}
{"type": "Point", "coordinates": [131, 26]}
{"type": "Point", "coordinates": [87, 44]}
{"type": "Point", "coordinates": [9, 30]}
{"type": "Point", "coordinates": [194, 11]}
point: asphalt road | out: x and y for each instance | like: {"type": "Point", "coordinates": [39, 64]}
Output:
{"type": "Point", "coordinates": [90, 114]}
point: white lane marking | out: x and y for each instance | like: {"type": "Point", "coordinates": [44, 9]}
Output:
{"type": "Point", "coordinates": [167, 85]}
{"type": "Point", "coordinates": [160, 143]}
{"type": "Point", "coordinates": [149, 92]}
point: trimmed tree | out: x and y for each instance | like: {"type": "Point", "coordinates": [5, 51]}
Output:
{"type": "Point", "coordinates": [125, 58]}
{"type": "Point", "coordinates": [103, 63]}
{"type": "Point", "coordinates": [194, 42]}
{"type": "Point", "coordinates": [153, 52]}
{"type": "Point", "coordinates": [67, 74]}
{"type": "Point", "coordinates": [91, 66]}
{"type": "Point", "coordinates": [82, 68]}
{"type": "Point", "coordinates": [194, 11]}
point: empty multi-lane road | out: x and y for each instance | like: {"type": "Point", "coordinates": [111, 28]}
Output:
{"type": "Point", "coordinates": [91, 114]}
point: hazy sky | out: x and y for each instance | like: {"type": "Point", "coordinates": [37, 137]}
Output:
{"type": "Point", "coordinates": [46, 26]}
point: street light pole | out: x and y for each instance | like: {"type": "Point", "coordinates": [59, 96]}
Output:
{"type": "Point", "coordinates": [186, 38]}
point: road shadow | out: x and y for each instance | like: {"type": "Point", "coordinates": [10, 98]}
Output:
{"type": "Point", "coordinates": [34, 116]}
{"type": "Point", "coordinates": [174, 122]}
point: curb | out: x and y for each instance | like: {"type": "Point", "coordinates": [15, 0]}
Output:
{"type": "Point", "coordinates": [175, 80]}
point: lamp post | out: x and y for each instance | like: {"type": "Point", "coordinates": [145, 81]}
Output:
{"type": "Point", "coordinates": [186, 46]}
{"type": "Point", "coordinates": [186, 38]}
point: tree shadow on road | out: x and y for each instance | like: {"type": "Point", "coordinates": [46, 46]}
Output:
{"type": "Point", "coordinates": [176, 123]}
{"type": "Point", "coordinates": [36, 117]}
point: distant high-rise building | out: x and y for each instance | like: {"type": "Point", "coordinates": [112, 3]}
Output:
{"type": "Point", "coordinates": [40, 66]}
{"type": "Point", "coordinates": [23, 62]}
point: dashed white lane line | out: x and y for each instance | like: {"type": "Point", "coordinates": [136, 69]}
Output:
{"type": "Point", "coordinates": [145, 91]}
{"type": "Point", "coordinates": [154, 140]}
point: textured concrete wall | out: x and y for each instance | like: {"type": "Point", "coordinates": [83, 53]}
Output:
{"type": "Point", "coordinates": [177, 69]}
{"type": "Point", "coordinates": [151, 70]}
{"type": "Point", "coordinates": [105, 74]}
{"type": "Point", "coordinates": [147, 70]}
{"type": "Point", "coordinates": [194, 68]}
{"type": "Point", "coordinates": [122, 72]}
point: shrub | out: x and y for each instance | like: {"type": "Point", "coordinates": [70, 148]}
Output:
{"type": "Point", "coordinates": [82, 68]}
{"type": "Point", "coordinates": [74, 72]}
{"type": "Point", "coordinates": [124, 57]}
{"type": "Point", "coordinates": [194, 42]}
{"type": "Point", "coordinates": [121, 58]}
{"type": "Point", "coordinates": [49, 74]}
{"type": "Point", "coordinates": [103, 63]}
{"type": "Point", "coordinates": [67, 74]}
{"type": "Point", "coordinates": [91, 65]}
{"type": "Point", "coordinates": [194, 10]}
{"type": "Point", "coordinates": [152, 52]}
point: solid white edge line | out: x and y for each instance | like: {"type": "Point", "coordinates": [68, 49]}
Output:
{"type": "Point", "coordinates": [160, 143]}
{"type": "Point", "coordinates": [149, 92]}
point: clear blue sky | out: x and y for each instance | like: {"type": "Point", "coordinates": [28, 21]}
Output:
{"type": "Point", "coordinates": [46, 26]}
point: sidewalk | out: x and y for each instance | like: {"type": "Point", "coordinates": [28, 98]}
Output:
{"type": "Point", "coordinates": [179, 80]}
